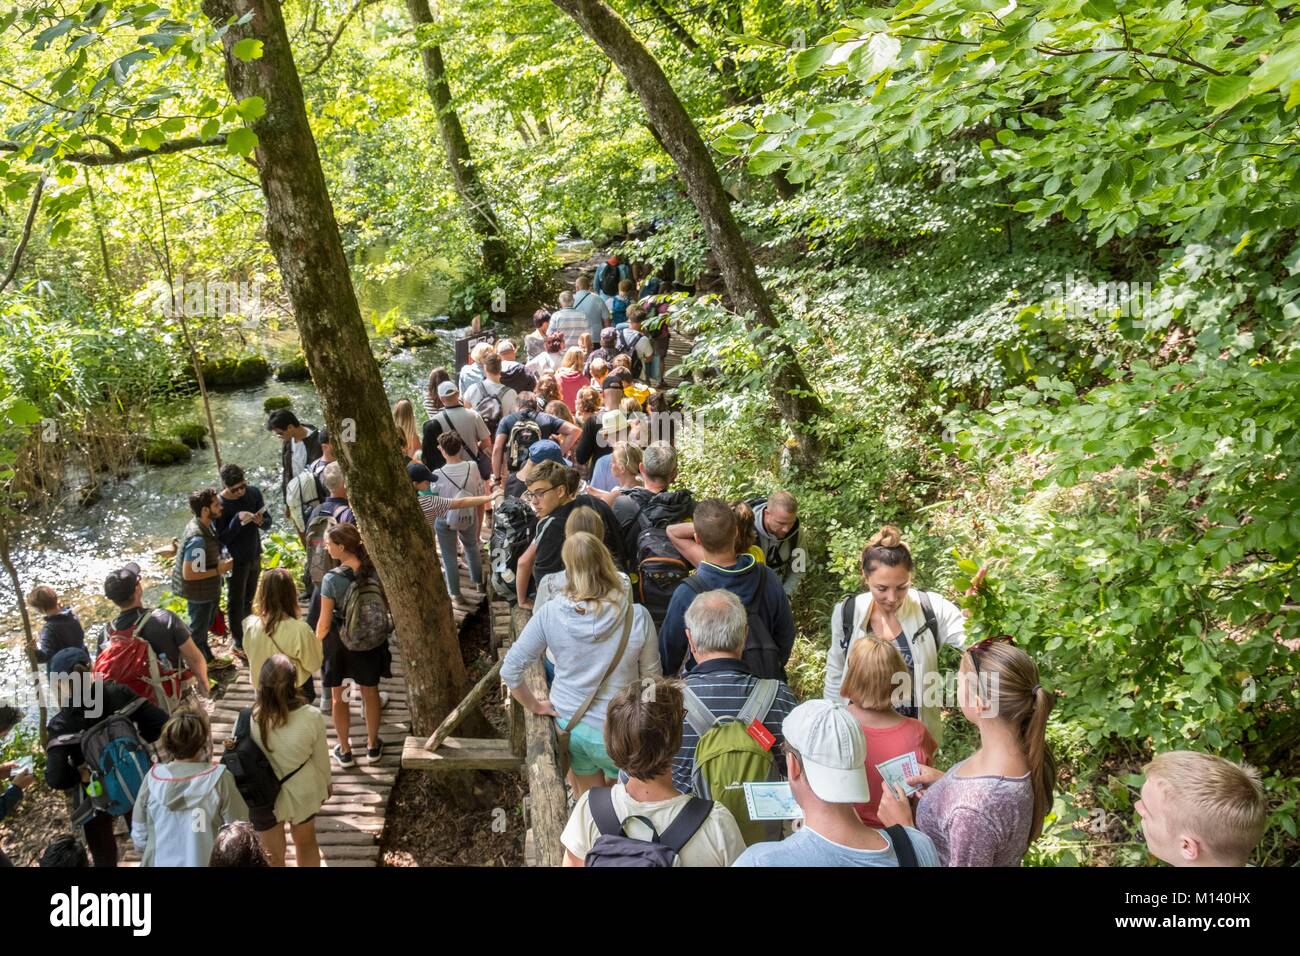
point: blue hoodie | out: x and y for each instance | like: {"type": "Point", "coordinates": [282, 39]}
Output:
{"type": "Point", "coordinates": [758, 588]}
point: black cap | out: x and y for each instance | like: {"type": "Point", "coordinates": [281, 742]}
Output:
{"type": "Point", "coordinates": [119, 587]}
{"type": "Point", "coordinates": [418, 472]}
{"type": "Point", "coordinates": [65, 660]}
{"type": "Point", "coordinates": [613, 381]}
{"type": "Point", "coordinates": [324, 435]}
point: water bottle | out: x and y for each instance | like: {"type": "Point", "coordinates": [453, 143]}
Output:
{"type": "Point", "coordinates": [225, 556]}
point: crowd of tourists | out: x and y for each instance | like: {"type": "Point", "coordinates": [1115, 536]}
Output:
{"type": "Point", "coordinates": [664, 626]}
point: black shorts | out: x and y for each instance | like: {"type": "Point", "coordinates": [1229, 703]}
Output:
{"type": "Point", "coordinates": [365, 668]}
{"type": "Point", "coordinates": [263, 820]}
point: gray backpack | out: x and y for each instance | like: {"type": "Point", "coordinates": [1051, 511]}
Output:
{"type": "Point", "coordinates": [366, 622]}
{"type": "Point", "coordinates": [614, 848]}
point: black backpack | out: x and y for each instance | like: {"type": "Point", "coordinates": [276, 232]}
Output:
{"type": "Point", "coordinates": [761, 653]}
{"type": "Point", "coordinates": [513, 523]}
{"type": "Point", "coordinates": [255, 778]}
{"type": "Point", "coordinates": [659, 566]}
{"type": "Point", "coordinates": [609, 280]}
{"type": "Point", "coordinates": [628, 348]}
{"type": "Point", "coordinates": [519, 378]}
{"type": "Point", "coordinates": [614, 848]}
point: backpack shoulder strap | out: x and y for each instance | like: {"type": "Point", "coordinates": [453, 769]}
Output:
{"type": "Point", "coordinates": [846, 621]}
{"type": "Point", "coordinates": [693, 582]}
{"type": "Point", "coordinates": [759, 701]}
{"type": "Point", "coordinates": [691, 818]}
{"type": "Point", "coordinates": [244, 723]}
{"type": "Point", "coordinates": [698, 715]}
{"type": "Point", "coordinates": [126, 710]}
{"type": "Point", "coordinates": [932, 622]}
{"type": "Point", "coordinates": [903, 848]}
{"type": "Point", "coordinates": [601, 803]}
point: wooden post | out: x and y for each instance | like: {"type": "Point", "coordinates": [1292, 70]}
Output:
{"type": "Point", "coordinates": [488, 680]}
{"type": "Point", "coordinates": [548, 798]}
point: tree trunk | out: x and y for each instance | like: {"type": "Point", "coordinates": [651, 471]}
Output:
{"type": "Point", "coordinates": [304, 236]}
{"type": "Point", "coordinates": [463, 173]}
{"type": "Point", "coordinates": [794, 397]}
{"type": "Point", "coordinates": [29, 641]}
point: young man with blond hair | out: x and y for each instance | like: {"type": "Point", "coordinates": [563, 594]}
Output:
{"type": "Point", "coordinates": [1201, 810]}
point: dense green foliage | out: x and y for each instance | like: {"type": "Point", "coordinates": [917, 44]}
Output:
{"type": "Point", "coordinates": [1042, 269]}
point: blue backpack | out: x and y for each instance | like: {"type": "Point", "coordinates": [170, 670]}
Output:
{"type": "Point", "coordinates": [118, 760]}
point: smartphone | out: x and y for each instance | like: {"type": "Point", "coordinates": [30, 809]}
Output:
{"type": "Point", "coordinates": [27, 763]}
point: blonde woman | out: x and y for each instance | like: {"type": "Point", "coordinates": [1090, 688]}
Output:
{"type": "Point", "coordinates": [601, 642]}
{"type": "Point", "coordinates": [919, 623]}
{"type": "Point", "coordinates": [561, 411]}
{"type": "Point", "coordinates": [588, 404]}
{"type": "Point", "coordinates": [570, 377]}
{"type": "Point", "coordinates": [612, 476]}
{"type": "Point", "coordinates": [407, 434]}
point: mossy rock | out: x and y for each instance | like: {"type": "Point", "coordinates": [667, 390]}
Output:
{"type": "Point", "coordinates": [192, 434]}
{"type": "Point", "coordinates": [235, 372]}
{"type": "Point", "coordinates": [415, 336]}
{"type": "Point", "coordinates": [164, 451]}
{"type": "Point", "coordinates": [276, 402]}
{"type": "Point", "coordinates": [293, 370]}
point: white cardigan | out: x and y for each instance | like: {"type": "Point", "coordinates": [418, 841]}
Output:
{"type": "Point", "coordinates": [952, 630]}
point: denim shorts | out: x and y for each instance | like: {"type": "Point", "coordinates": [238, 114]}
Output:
{"type": "Point", "coordinates": [587, 752]}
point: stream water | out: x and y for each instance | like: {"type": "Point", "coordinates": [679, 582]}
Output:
{"type": "Point", "coordinates": [74, 548]}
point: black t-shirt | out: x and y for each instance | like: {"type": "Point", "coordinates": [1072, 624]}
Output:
{"type": "Point", "coordinates": [589, 449]}
{"type": "Point", "coordinates": [165, 632]}
{"type": "Point", "coordinates": [63, 760]}
{"type": "Point", "coordinates": [550, 536]}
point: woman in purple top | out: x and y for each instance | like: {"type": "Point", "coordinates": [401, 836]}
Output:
{"type": "Point", "coordinates": [987, 809]}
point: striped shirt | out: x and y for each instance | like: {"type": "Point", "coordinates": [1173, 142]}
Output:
{"type": "Point", "coordinates": [434, 508]}
{"type": "Point", "coordinates": [722, 684]}
{"type": "Point", "coordinates": [572, 323]}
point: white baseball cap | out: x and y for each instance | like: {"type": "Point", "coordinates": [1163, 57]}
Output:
{"type": "Point", "coordinates": [831, 749]}
{"type": "Point", "coordinates": [447, 390]}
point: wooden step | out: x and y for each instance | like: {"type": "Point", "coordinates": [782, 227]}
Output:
{"type": "Point", "coordinates": [461, 753]}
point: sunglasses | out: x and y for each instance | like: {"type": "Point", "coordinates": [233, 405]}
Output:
{"type": "Point", "coordinates": [984, 645]}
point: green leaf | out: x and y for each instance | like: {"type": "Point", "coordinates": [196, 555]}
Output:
{"type": "Point", "coordinates": [1225, 92]}
{"type": "Point", "coordinates": [241, 141]}
{"type": "Point", "coordinates": [251, 108]}
{"type": "Point", "coordinates": [1282, 66]}
{"type": "Point", "coordinates": [152, 138]}
{"type": "Point", "coordinates": [247, 49]}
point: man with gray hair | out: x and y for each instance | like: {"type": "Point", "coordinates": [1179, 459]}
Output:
{"type": "Point", "coordinates": [590, 305]}
{"type": "Point", "coordinates": [721, 683]}
{"type": "Point", "coordinates": [570, 321]}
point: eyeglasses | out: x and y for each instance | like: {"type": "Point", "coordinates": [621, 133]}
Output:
{"type": "Point", "coordinates": [536, 495]}
{"type": "Point", "coordinates": [984, 645]}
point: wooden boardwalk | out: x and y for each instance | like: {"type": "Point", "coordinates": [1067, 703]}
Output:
{"type": "Point", "coordinates": [350, 825]}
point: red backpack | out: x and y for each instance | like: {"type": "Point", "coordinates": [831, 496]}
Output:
{"type": "Point", "coordinates": [130, 660]}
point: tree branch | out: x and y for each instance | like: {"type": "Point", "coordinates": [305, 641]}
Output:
{"type": "Point", "coordinates": [27, 234]}
{"type": "Point", "coordinates": [338, 35]}
{"type": "Point", "coordinates": [117, 155]}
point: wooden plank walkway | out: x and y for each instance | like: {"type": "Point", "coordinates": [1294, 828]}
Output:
{"type": "Point", "coordinates": [350, 825]}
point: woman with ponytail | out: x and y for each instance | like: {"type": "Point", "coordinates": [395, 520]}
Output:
{"type": "Point", "coordinates": [987, 809]}
{"type": "Point", "coordinates": [292, 735]}
{"type": "Point", "coordinates": [365, 668]}
{"type": "Point", "coordinates": [919, 623]}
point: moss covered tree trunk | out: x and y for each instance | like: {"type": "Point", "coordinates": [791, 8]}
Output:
{"type": "Point", "coordinates": [794, 398]}
{"type": "Point", "coordinates": [304, 236]}
{"type": "Point", "coordinates": [456, 147]}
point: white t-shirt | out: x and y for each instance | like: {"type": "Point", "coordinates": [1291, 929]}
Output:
{"type": "Point", "coordinates": [299, 456]}
{"type": "Point", "coordinates": [460, 477]}
{"type": "Point", "coordinates": [716, 843]}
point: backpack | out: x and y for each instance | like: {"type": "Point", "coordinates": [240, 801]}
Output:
{"type": "Point", "coordinates": [458, 519]}
{"type": "Point", "coordinates": [489, 405]}
{"type": "Point", "coordinates": [523, 434]}
{"type": "Point", "coordinates": [727, 756]}
{"type": "Point", "coordinates": [255, 778]}
{"type": "Point", "coordinates": [659, 566]}
{"type": "Point", "coordinates": [628, 348]}
{"type": "Point", "coordinates": [608, 280]}
{"type": "Point", "coordinates": [302, 495]}
{"type": "Point", "coordinates": [318, 556]}
{"type": "Point", "coordinates": [130, 660]}
{"type": "Point", "coordinates": [118, 759]}
{"type": "Point", "coordinates": [512, 531]}
{"type": "Point", "coordinates": [761, 653]}
{"type": "Point", "coordinates": [365, 622]}
{"type": "Point", "coordinates": [903, 848]}
{"type": "Point", "coordinates": [614, 848]}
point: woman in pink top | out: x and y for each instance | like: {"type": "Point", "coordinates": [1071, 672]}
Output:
{"type": "Point", "coordinates": [874, 674]}
{"type": "Point", "coordinates": [570, 378]}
